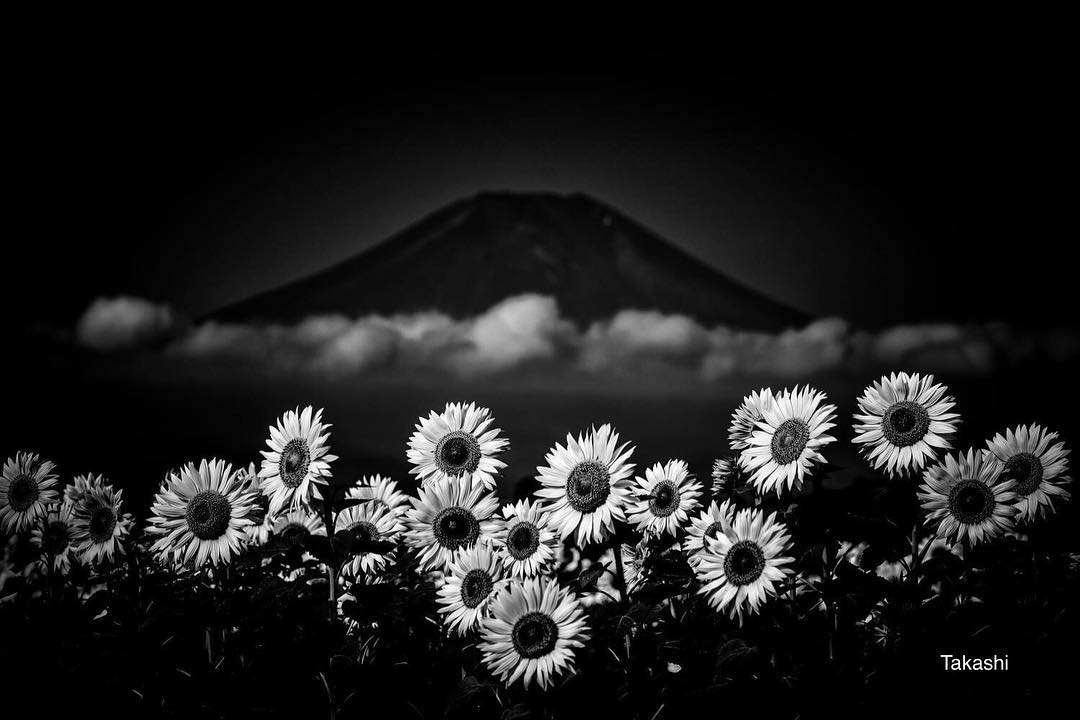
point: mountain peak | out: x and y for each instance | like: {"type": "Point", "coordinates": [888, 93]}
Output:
{"type": "Point", "coordinates": [469, 255]}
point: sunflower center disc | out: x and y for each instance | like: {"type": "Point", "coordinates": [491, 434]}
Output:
{"type": "Point", "coordinates": [588, 486]}
{"type": "Point", "coordinates": [534, 635]}
{"type": "Point", "coordinates": [457, 453]}
{"type": "Point", "coordinates": [789, 440]}
{"type": "Point", "coordinates": [294, 534]}
{"type": "Point", "coordinates": [971, 502]}
{"type": "Point", "coordinates": [295, 459]}
{"type": "Point", "coordinates": [208, 515]}
{"type": "Point", "coordinates": [710, 532]}
{"type": "Point", "coordinates": [55, 539]}
{"type": "Point", "coordinates": [744, 563]}
{"type": "Point", "coordinates": [665, 498]}
{"type": "Point", "coordinates": [455, 528]}
{"type": "Point", "coordinates": [475, 586]}
{"type": "Point", "coordinates": [23, 492]}
{"type": "Point", "coordinates": [522, 541]}
{"type": "Point", "coordinates": [905, 423]}
{"type": "Point", "coordinates": [102, 522]}
{"type": "Point", "coordinates": [1026, 470]}
{"type": "Point", "coordinates": [364, 532]}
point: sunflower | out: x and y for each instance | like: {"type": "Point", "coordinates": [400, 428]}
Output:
{"type": "Point", "coordinates": [1039, 465]}
{"type": "Point", "coordinates": [54, 537]}
{"type": "Point", "coordinates": [730, 481]}
{"type": "Point", "coordinates": [903, 421]}
{"type": "Point", "coordinates": [586, 484]}
{"type": "Point", "coordinates": [741, 566]}
{"type": "Point", "coordinates": [532, 633]}
{"type": "Point", "coordinates": [449, 515]}
{"type": "Point", "coordinates": [788, 439]}
{"type": "Point", "coordinates": [967, 496]}
{"type": "Point", "coordinates": [297, 525]}
{"type": "Point", "coordinates": [524, 540]}
{"type": "Point", "coordinates": [298, 459]}
{"type": "Point", "coordinates": [746, 417]}
{"type": "Point", "coordinates": [382, 491]}
{"type": "Point", "coordinates": [27, 488]}
{"type": "Point", "coordinates": [98, 524]}
{"type": "Point", "coordinates": [473, 580]}
{"type": "Point", "coordinates": [459, 442]}
{"type": "Point", "coordinates": [634, 558]}
{"type": "Point", "coordinates": [292, 530]}
{"type": "Point", "coordinates": [664, 499]}
{"type": "Point", "coordinates": [370, 523]}
{"type": "Point", "coordinates": [203, 514]}
{"type": "Point", "coordinates": [356, 620]}
{"type": "Point", "coordinates": [709, 523]}
{"type": "Point", "coordinates": [262, 520]}
{"type": "Point", "coordinates": [81, 485]}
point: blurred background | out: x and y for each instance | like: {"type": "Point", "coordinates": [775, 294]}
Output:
{"type": "Point", "coordinates": [569, 226]}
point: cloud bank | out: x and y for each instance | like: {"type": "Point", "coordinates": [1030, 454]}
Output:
{"type": "Point", "coordinates": [124, 323]}
{"type": "Point", "coordinates": [527, 333]}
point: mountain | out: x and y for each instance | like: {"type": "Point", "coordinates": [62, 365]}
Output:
{"type": "Point", "coordinates": [466, 257]}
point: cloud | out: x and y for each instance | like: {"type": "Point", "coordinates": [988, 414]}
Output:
{"type": "Point", "coordinates": [822, 344]}
{"type": "Point", "coordinates": [124, 323]}
{"type": "Point", "coordinates": [643, 337]}
{"type": "Point", "coordinates": [515, 332]}
{"type": "Point", "coordinates": [518, 330]}
{"type": "Point", "coordinates": [527, 334]}
{"type": "Point", "coordinates": [945, 347]}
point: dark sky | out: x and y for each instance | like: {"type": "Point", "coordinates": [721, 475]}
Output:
{"type": "Point", "coordinates": [888, 180]}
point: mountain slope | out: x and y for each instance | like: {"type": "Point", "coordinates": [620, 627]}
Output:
{"type": "Point", "coordinates": [466, 257]}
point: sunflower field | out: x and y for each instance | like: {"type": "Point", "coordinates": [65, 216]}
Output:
{"type": "Point", "coordinates": [609, 585]}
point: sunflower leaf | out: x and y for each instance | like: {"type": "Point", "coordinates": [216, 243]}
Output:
{"type": "Point", "coordinates": [587, 579]}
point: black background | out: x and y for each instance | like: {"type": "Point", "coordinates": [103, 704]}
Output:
{"type": "Point", "coordinates": [887, 175]}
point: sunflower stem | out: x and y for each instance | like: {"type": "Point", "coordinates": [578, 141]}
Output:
{"type": "Point", "coordinates": [127, 546]}
{"type": "Point", "coordinates": [917, 556]}
{"type": "Point", "coordinates": [914, 549]}
{"type": "Point", "coordinates": [331, 575]}
{"type": "Point", "coordinates": [832, 632]}
{"type": "Point", "coordinates": [50, 580]}
{"type": "Point", "coordinates": [331, 565]}
{"type": "Point", "coordinates": [830, 606]}
{"type": "Point", "coordinates": [619, 574]}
